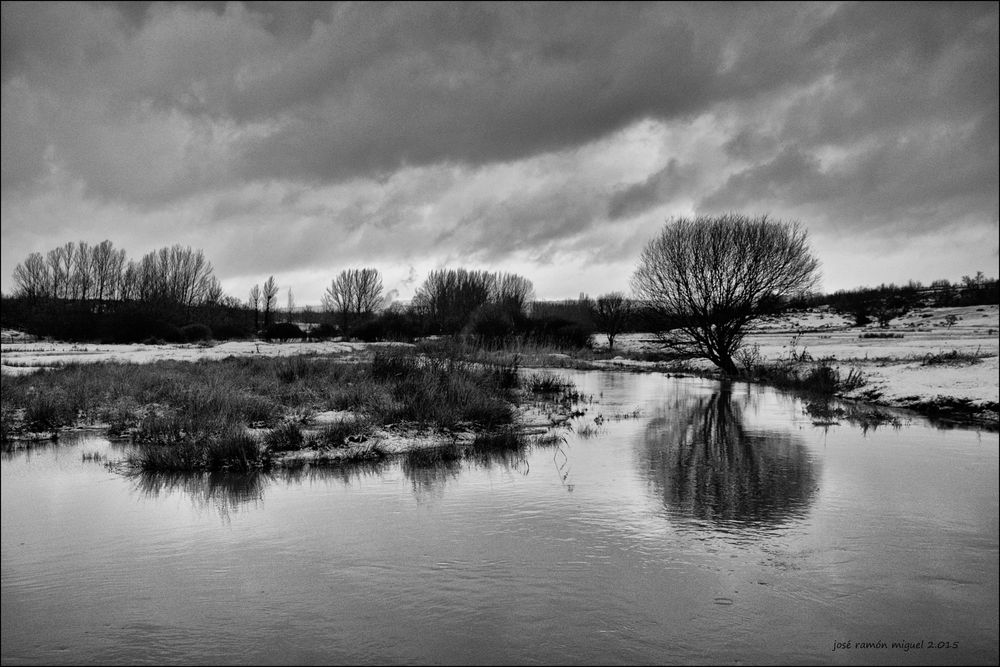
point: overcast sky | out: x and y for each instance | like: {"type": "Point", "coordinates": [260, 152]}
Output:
{"type": "Point", "coordinates": [300, 139]}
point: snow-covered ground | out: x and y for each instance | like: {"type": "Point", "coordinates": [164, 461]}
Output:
{"type": "Point", "coordinates": [19, 355]}
{"type": "Point", "coordinates": [899, 369]}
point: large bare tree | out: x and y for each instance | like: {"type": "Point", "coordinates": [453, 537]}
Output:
{"type": "Point", "coordinates": [714, 275]}
{"type": "Point", "coordinates": [353, 295]}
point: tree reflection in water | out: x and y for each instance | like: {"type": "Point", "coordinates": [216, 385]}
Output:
{"type": "Point", "coordinates": [707, 466]}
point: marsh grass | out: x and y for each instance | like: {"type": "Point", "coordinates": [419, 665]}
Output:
{"type": "Point", "coordinates": [545, 383]}
{"type": "Point", "coordinates": [369, 452]}
{"type": "Point", "coordinates": [337, 434]}
{"type": "Point", "coordinates": [195, 415]}
{"type": "Point", "coordinates": [953, 358]}
{"type": "Point", "coordinates": [817, 378]}
{"type": "Point", "coordinates": [825, 413]}
{"type": "Point", "coordinates": [285, 438]}
{"type": "Point", "coordinates": [48, 411]}
{"type": "Point", "coordinates": [230, 449]}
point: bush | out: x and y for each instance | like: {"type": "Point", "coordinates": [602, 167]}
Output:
{"type": "Point", "coordinates": [192, 333]}
{"type": "Point", "coordinates": [370, 331]}
{"type": "Point", "coordinates": [558, 332]}
{"type": "Point", "coordinates": [493, 322]}
{"type": "Point", "coordinates": [283, 331]}
{"type": "Point", "coordinates": [400, 324]}
{"type": "Point", "coordinates": [229, 332]}
{"type": "Point", "coordinates": [324, 331]}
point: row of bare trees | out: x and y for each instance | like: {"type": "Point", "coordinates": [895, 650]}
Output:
{"type": "Point", "coordinates": [101, 273]}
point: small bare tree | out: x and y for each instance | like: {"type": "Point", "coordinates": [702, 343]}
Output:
{"type": "Point", "coordinates": [611, 314]}
{"type": "Point", "coordinates": [255, 304]}
{"type": "Point", "coordinates": [714, 275]}
{"type": "Point", "coordinates": [269, 296]}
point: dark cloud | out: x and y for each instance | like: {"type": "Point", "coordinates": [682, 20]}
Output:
{"type": "Point", "coordinates": [326, 92]}
{"type": "Point", "coordinates": [660, 187]}
{"type": "Point", "coordinates": [862, 116]}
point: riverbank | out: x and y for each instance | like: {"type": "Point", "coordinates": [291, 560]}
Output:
{"type": "Point", "coordinates": [244, 413]}
{"type": "Point", "coordinates": [938, 362]}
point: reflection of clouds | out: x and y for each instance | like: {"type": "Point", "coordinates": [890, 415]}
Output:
{"type": "Point", "coordinates": [705, 464]}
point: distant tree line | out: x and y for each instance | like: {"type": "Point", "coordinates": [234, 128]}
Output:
{"type": "Point", "coordinates": [881, 304]}
{"type": "Point", "coordinates": [82, 292]}
{"type": "Point", "coordinates": [78, 291]}
{"type": "Point", "coordinates": [96, 293]}
{"type": "Point", "coordinates": [101, 274]}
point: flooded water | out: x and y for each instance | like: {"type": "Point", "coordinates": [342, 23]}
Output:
{"type": "Point", "coordinates": [696, 523]}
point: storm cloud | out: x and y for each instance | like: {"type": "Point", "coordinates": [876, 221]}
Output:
{"type": "Point", "coordinates": [297, 138]}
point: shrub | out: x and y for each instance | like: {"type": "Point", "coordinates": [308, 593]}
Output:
{"type": "Point", "coordinates": [324, 331]}
{"type": "Point", "coordinates": [229, 332]}
{"type": "Point", "coordinates": [192, 333]}
{"type": "Point", "coordinates": [493, 322]}
{"type": "Point", "coordinates": [283, 331]}
{"type": "Point", "coordinates": [559, 332]}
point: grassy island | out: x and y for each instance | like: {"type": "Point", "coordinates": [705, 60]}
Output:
{"type": "Point", "coordinates": [244, 413]}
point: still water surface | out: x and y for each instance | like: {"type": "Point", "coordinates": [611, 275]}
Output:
{"type": "Point", "coordinates": [717, 525]}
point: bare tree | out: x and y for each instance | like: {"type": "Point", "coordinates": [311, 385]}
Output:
{"type": "Point", "coordinates": [83, 275]}
{"type": "Point", "coordinates": [513, 293]}
{"type": "Point", "coordinates": [255, 303]}
{"type": "Point", "coordinates": [291, 305]}
{"type": "Point", "coordinates": [611, 314]}
{"type": "Point", "coordinates": [714, 274]}
{"type": "Point", "coordinates": [106, 263]}
{"type": "Point", "coordinates": [353, 295]}
{"type": "Point", "coordinates": [270, 294]}
{"type": "Point", "coordinates": [128, 285]}
{"type": "Point", "coordinates": [57, 271]}
{"type": "Point", "coordinates": [448, 297]}
{"type": "Point", "coordinates": [213, 291]}
{"type": "Point", "coordinates": [32, 278]}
